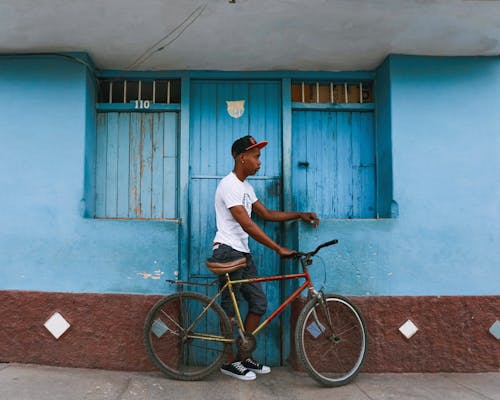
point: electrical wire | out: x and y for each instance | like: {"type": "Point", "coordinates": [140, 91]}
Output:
{"type": "Point", "coordinates": [178, 31]}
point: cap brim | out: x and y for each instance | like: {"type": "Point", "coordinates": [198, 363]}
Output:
{"type": "Point", "coordinates": [259, 145]}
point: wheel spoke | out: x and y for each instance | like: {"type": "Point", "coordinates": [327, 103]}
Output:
{"type": "Point", "coordinates": [344, 331]}
{"type": "Point", "coordinates": [171, 319]}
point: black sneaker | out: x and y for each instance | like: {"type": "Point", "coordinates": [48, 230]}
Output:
{"type": "Point", "coordinates": [256, 367]}
{"type": "Point", "coordinates": [238, 371]}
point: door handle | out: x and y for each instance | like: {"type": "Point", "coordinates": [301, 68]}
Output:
{"type": "Point", "coordinates": [304, 164]}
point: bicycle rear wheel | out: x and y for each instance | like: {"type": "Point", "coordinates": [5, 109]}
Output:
{"type": "Point", "coordinates": [184, 341]}
{"type": "Point", "coordinates": [331, 340]}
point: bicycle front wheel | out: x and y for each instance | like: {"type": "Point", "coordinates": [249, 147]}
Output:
{"type": "Point", "coordinates": [185, 337]}
{"type": "Point", "coordinates": [331, 340]}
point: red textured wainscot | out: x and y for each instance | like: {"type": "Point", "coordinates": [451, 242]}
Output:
{"type": "Point", "coordinates": [106, 329]}
{"type": "Point", "coordinates": [453, 333]}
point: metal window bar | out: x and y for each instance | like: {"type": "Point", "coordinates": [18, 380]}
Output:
{"type": "Point", "coordinates": [122, 91]}
{"type": "Point", "coordinates": [331, 91]}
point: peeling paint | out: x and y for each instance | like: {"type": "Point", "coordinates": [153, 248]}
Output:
{"type": "Point", "coordinates": [154, 275]}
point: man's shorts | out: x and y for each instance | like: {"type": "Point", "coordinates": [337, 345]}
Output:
{"type": "Point", "coordinates": [252, 292]}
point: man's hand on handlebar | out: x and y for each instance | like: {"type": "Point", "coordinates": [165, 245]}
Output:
{"type": "Point", "coordinates": [286, 253]}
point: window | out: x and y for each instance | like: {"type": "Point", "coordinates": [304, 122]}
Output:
{"type": "Point", "coordinates": [136, 165]}
{"type": "Point", "coordinates": [334, 152]}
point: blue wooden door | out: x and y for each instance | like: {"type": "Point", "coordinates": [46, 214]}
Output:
{"type": "Point", "coordinates": [333, 163]}
{"type": "Point", "coordinates": [212, 132]}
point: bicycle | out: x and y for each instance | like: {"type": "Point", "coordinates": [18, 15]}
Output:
{"type": "Point", "coordinates": [188, 335]}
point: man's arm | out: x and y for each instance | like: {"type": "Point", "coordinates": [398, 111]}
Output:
{"type": "Point", "coordinates": [281, 216]}
{"type": "Point", "coordinates": [240, 215]}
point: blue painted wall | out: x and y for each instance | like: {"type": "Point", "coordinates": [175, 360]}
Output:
{"type": "Point", "coordinates": [438, 152]}
{"type": "Point", "coordinates": [445, 133]}
{"type": "Point", "coordinates": [47, 131]}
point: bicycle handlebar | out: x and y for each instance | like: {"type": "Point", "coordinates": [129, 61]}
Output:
{"type": "Point", "coordinates": [326, 244]}
{"type": "Point", "coordinates": [312, 253]}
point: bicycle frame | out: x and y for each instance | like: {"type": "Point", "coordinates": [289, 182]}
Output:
{"type": "Point", "coordinates": [229, 285]}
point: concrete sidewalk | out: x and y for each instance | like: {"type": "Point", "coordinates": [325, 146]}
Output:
{"type": "Point", "coordinates": [35, 382]}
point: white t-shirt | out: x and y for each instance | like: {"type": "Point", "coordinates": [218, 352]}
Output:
{"type": "Point", "coordinates": [232, 192]}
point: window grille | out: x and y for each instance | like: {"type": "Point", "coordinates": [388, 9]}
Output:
{"type": "Point", "coordinates": [332, 92]}
{"type": "Point", "coordinates": [115, 91]}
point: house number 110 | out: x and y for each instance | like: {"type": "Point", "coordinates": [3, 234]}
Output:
{"type": "Point", "coordinates": [141, 104]}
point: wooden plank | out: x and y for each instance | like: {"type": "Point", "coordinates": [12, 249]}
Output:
{"type": "Point", "coordinates": [344, 166]}
{"type": "Point", "coordinates": [357, 144]}
{"type": "Point", "coordinates": [299, 174]}
{"type": "Point", "coordinates": [327, 154]}
{"type": "Point", "coordinates": [202, 223]}
{"type": "Point", "coordinates": [272, 131]}
{"type": "Point", "coordinates": [240, 126]}
{"type": "Point", "coordinates": [112, 167]}
{"type": "Point", "coordinates": [224, 128]}
{"type": "Point", "coordinates": [146, 170]}
{"type": "Point", "coordinates": [256, 109]}
{"type": "Point", "coordinates": [195, 200]}
{"type": "Point", "coordinates": [196, 127]}
{"type": "Point", "coordinates": [368, 167]}
{"type": "Point", "coordinates": [170, 134]}
{"type": "Point", "coordinates": [207, 140]}
{"type": "Point", "coordinates": [123, 164]}
{"type": "Point", "coordinates": [170, 162]}
{"type": "Point", "coordinates": [287, 146]}
{"type": "Point", "coordinates": [135, 210]}
{"type": "Point", "coordinates": [157, 164]}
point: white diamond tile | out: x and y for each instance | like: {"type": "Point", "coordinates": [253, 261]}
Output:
{"type": "Point", "coordinates": [408, 329]}
{"type": "Point", "coordinates": [159, 328]}
{"type": "Point", "coordinates": [57, 325]}
{"type": "Point", "coordinates": [495, 329]}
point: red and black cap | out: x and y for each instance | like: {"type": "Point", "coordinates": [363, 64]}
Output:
{"type": "Point", "coordinates": [246, 143]}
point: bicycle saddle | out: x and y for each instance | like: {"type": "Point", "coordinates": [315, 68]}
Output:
{"type": "Point", "coordinates": [226, 267]}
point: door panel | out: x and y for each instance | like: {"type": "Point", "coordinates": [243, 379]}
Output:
{"type": "Point", "coordinates": [333, 163]}
{"type": "Point", "coordinates": [213, 131]}
{"type": "Point", "coordinates": [136, 165]}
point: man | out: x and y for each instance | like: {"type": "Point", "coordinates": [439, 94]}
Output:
{"type": "Point", "coordinates": [235, 200]}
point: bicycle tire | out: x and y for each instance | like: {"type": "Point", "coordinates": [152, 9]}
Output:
{"type": "Point", "coordinates": [174, 350]}
{"type": "Point", "coordinates": [332, 353]}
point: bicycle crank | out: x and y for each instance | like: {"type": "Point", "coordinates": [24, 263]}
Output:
{"type": "Point", "coordinates": [246, 344]}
